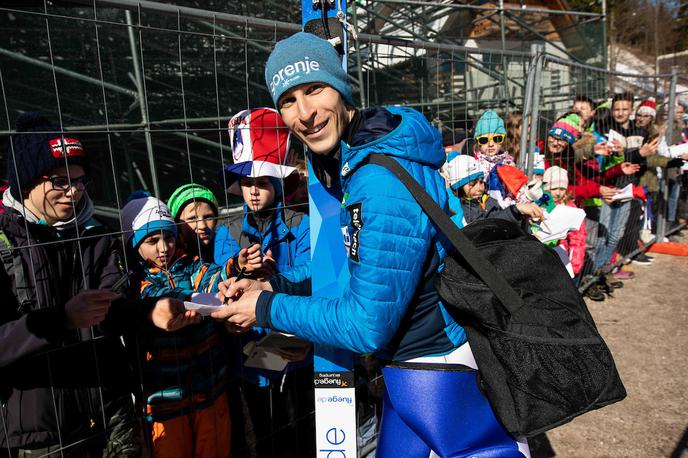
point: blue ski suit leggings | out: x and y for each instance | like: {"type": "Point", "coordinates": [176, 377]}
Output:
{"type": "Point", "coordinates": [431, 410]}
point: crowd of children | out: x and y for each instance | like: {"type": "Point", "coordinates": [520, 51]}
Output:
{"type": "Point", "coordinates": [594, 185]}
{"type": "Point", "coordinates": [602, 158]}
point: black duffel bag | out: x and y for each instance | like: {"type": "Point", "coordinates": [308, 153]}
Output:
{"type": "Point", "coordinates": [540, 358]}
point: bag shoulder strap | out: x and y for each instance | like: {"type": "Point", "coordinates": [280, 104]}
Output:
{"type": "Point", "coordinates": [5, 245]}
{"type": "Point", "coordinates": [14, 268]}
{"type": "Point", "coordinates": [465, 248]}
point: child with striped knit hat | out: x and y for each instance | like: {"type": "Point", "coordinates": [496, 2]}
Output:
{"type": "Point", "coordinates": [183, 373]}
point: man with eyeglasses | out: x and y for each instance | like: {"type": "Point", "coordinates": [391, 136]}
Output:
{"type": "Point", "coordinates": [65, 387]}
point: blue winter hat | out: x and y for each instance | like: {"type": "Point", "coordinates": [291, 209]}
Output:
{"type": "Point", "coordinates": [490, 123]}
{"type": "Point", "coordinates": [305, 58]}
{"type": "Point", "coordinates": [461, 169]}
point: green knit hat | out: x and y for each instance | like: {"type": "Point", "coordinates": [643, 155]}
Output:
{"type": "Point", "coordinates": [190, 193]}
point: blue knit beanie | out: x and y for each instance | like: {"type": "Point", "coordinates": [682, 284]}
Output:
{"type": "Point", "coordinates": [144, 215]}
{"type": "Point", "coordinates": [305, 58]}
{"type": "Point", "coordinates": [489, 123]}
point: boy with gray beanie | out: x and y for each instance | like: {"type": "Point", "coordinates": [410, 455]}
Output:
{"type": "Point", "coordinates": [183, 373]}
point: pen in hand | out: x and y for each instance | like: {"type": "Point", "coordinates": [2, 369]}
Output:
{"type": "Point", "coordinates": [238, 277]}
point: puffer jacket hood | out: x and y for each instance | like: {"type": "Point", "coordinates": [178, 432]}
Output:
{"type": "Point", "coordinates": [414, 139]}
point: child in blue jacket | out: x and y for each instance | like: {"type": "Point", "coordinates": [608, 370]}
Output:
{"type": "Point", "coordinates": [268, 238]}
{"type": "Point", "coordinates": [269, 235]}
{"type": "Point", "coordinates": [184, 373]}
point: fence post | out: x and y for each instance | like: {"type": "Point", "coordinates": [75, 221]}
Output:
{"type": "Point", "coordinates": [143, 104]}
{"type": "Point", "coordinates": [505, 73]}
{"type": "Point", "coordinates": [664, 183]}
{"type": "Point", "coordinates": [527, 106]}
{"type": "Point", "coordinates": [359, 68]}
{"type": "Point", "coordinates": [539, 50]}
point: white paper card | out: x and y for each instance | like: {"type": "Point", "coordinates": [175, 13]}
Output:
{"type": "Point", "coordinates": [624, 193]}
{"type": "Point", "coordinates": [564, 256]}
{"type": "Point", "coordinates": [678, 150]}
{"type": "Point", "coordinates": [264, 354]}
{"type": "Point", "coordinates": [203, 303]}
{"type": "Point", "coordinates": [663, 148]}
{"type": "Point", "coordinates": [261, 359]}
{"type": "Point", "coordinates": [614, 135]}
{"type": "Point", "coordinates": [559, 222]}
{"type": "Point", "coordinates": [276, 341]}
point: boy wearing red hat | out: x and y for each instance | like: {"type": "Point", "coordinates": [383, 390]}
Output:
{"type": "Point", "coordinates": [270, 237]}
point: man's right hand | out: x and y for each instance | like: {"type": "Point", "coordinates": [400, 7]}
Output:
{"type": "Point", "coordinates": [606, 193]}
{"type": "Point", "coordinates": [88, 308]}
{"type": "Point", "coordinates": [232, 289]}
{"type": "Point", "coordinates": [170, 315]}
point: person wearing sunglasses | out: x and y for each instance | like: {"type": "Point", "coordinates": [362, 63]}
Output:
{"type": "Point", "coordinates": [490, 136]}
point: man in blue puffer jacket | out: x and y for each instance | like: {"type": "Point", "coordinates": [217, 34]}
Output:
{"type": "Point", "coordinates": [432, 400]}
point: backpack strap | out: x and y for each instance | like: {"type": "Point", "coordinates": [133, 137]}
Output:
{"type": "Point", "coordinates": [14, 268]}
{"type": "Point", "coordinates": [509, 298]}
{"type": "Point", "coordinates": [6, 248]}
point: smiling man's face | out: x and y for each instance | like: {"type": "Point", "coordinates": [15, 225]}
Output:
{"type": "Point", "coordinates": [316, 114]}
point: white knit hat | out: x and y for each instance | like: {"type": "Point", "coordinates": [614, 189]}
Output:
{"type": "Point", "coordinates": [555, 178]}
{"type": "Point", "coordinates": [462, 169]}
{"type": "Point", "coordinates": [143, 215]}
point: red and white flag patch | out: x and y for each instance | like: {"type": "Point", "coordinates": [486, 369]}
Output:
{"type": "Point", "coordinates": [68, 147]}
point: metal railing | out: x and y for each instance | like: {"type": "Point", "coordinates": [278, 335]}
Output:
{"type": "Point", "coordinates": [148, 88]}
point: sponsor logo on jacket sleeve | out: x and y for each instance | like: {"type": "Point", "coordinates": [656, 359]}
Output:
{"type": "Point", "coordinates": [356, 223]}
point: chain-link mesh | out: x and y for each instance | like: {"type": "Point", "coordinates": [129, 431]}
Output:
{"type": "Point", "coordinates": [149, 90]}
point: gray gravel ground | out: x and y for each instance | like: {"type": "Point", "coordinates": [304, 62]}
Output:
{"type": "Point", "coordinates": [645, 327]}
